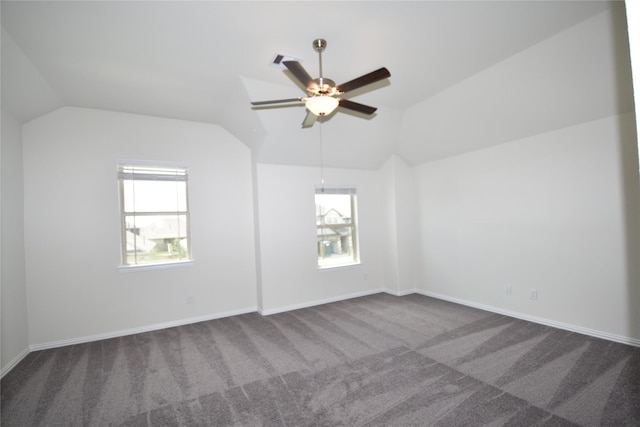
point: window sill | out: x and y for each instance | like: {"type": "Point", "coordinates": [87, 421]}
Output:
{"type": "Point", "coordinates": [145, 267]}
{"type": "Point", "coordinates": [338, 266]}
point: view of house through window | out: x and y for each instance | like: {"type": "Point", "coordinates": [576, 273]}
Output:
{"type": "Point", "coordinates": [336, 227]}
{"type": "Point", "coordinates": [154, 214]}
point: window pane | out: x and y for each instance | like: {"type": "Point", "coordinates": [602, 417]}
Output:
{"type": "Point", "coordinates": [155, 196]}
{"type": "Point", "coordinates": [333, 207]}
{"type": "Point", "coordinates": [335, 246]}
{"type": "Point", "coordinates": [156, 238]}
{"type": "Point", "coordinates": [336, 230]}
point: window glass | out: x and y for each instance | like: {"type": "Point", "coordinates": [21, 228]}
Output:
{"type": "Point", "coordinates": [153, 196]}
{"type": "Point", "coordinates": [336, 227]}
{"type": "Point", "coordinates": [155, 216]}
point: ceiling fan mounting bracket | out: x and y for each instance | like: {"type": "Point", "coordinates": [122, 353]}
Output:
{"type": "Point", "coordinates": [319, 45]}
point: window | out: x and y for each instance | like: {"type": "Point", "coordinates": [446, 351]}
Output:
{"type": "Point", "coordinates": [336, 227]}
{"type": "Point", "coordinates": [154, 214]}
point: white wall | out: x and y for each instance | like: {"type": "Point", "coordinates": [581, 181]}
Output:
{"type": "Point", "coordinates": [290, 277]}
{"type": "Point", "coordinates": [72, 230]}
{"type": "Point", "coordinates": [15, 339]}
{"type": "Point", "coordinates": [549, 212]}
{"type": "Point", "coordinates": [390, 218]}
{"type": "Point", "coordinates": [406, 206]}
{"type": "Point", "coordinates": [401, 220]}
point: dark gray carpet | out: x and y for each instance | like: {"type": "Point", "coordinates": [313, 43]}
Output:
{"type": "Point", "coordinates": [376, 360]}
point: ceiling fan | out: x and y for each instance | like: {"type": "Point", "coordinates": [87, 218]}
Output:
{"type": "Point", "coordinates": [323, 94]}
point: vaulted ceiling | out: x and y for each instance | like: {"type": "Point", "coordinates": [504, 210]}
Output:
{"type": "Point", "coordinates": [464, 75]}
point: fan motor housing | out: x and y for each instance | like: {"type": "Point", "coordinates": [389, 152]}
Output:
{"type": "Point", "coordinates": [323, 87]}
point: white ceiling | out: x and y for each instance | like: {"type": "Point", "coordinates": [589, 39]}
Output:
{"type": "Point", "coordinates": [205, 60]}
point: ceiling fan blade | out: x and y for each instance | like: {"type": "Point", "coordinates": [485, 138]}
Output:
{"type": "Point", "coordinates": [276, 101]}
{"type": "Point", "coordinates": [372, 77]}
{"type": "Point", "coordinates": [299, 72]}
{"type": "Point", "coordinates": [355, 106]}
{"type": "Point", "coordinates": [309, 120]}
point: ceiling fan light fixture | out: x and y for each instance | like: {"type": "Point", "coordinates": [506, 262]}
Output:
{"type": "Point", "coordinates": [321, 105]}
{"type": "Point", "coordinates": [323, 94]}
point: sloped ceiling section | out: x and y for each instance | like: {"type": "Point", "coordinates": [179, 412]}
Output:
{"type": "Point", "coordinates": [578, 75]}
{"type": "Point", "coordinates": [241, 121]}
{"type": "Point", "coordinates": [458, 78]}
{"type": "Point", "coordinates": [25, 92]}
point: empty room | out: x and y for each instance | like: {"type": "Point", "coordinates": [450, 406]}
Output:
{"type": "Point", "coordinates": [295, 213]}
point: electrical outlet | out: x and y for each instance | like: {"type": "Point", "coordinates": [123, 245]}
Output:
{"type": "Point", "coordinates": [189, 299]}
{"type": "Point", "coordinates": [533, 294]}
{"type": "Point", "coordinates": [507, 289]}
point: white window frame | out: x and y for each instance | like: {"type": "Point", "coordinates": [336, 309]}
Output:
{"type": "Point", "coordinates": [322, 261]}
{"type": "Point", "coordinates": [152, 171]}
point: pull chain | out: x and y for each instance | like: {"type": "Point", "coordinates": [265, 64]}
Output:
{"type": "Point", "coordinates": [321, 159]}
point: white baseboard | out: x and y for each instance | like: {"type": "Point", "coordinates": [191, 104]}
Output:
{"type": "Point", "coordinates": [560, 325]}
{"type": "Point", "coordinates": [398, 293]}
{"type": "Point", "coordinates": [14, 362]}
{"type": "Point", "coordinates": [148, 328]}
{"type": "Point", "coordinates": [318, 302]}
{"type": "Point", "coordinates": [181, 322]}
